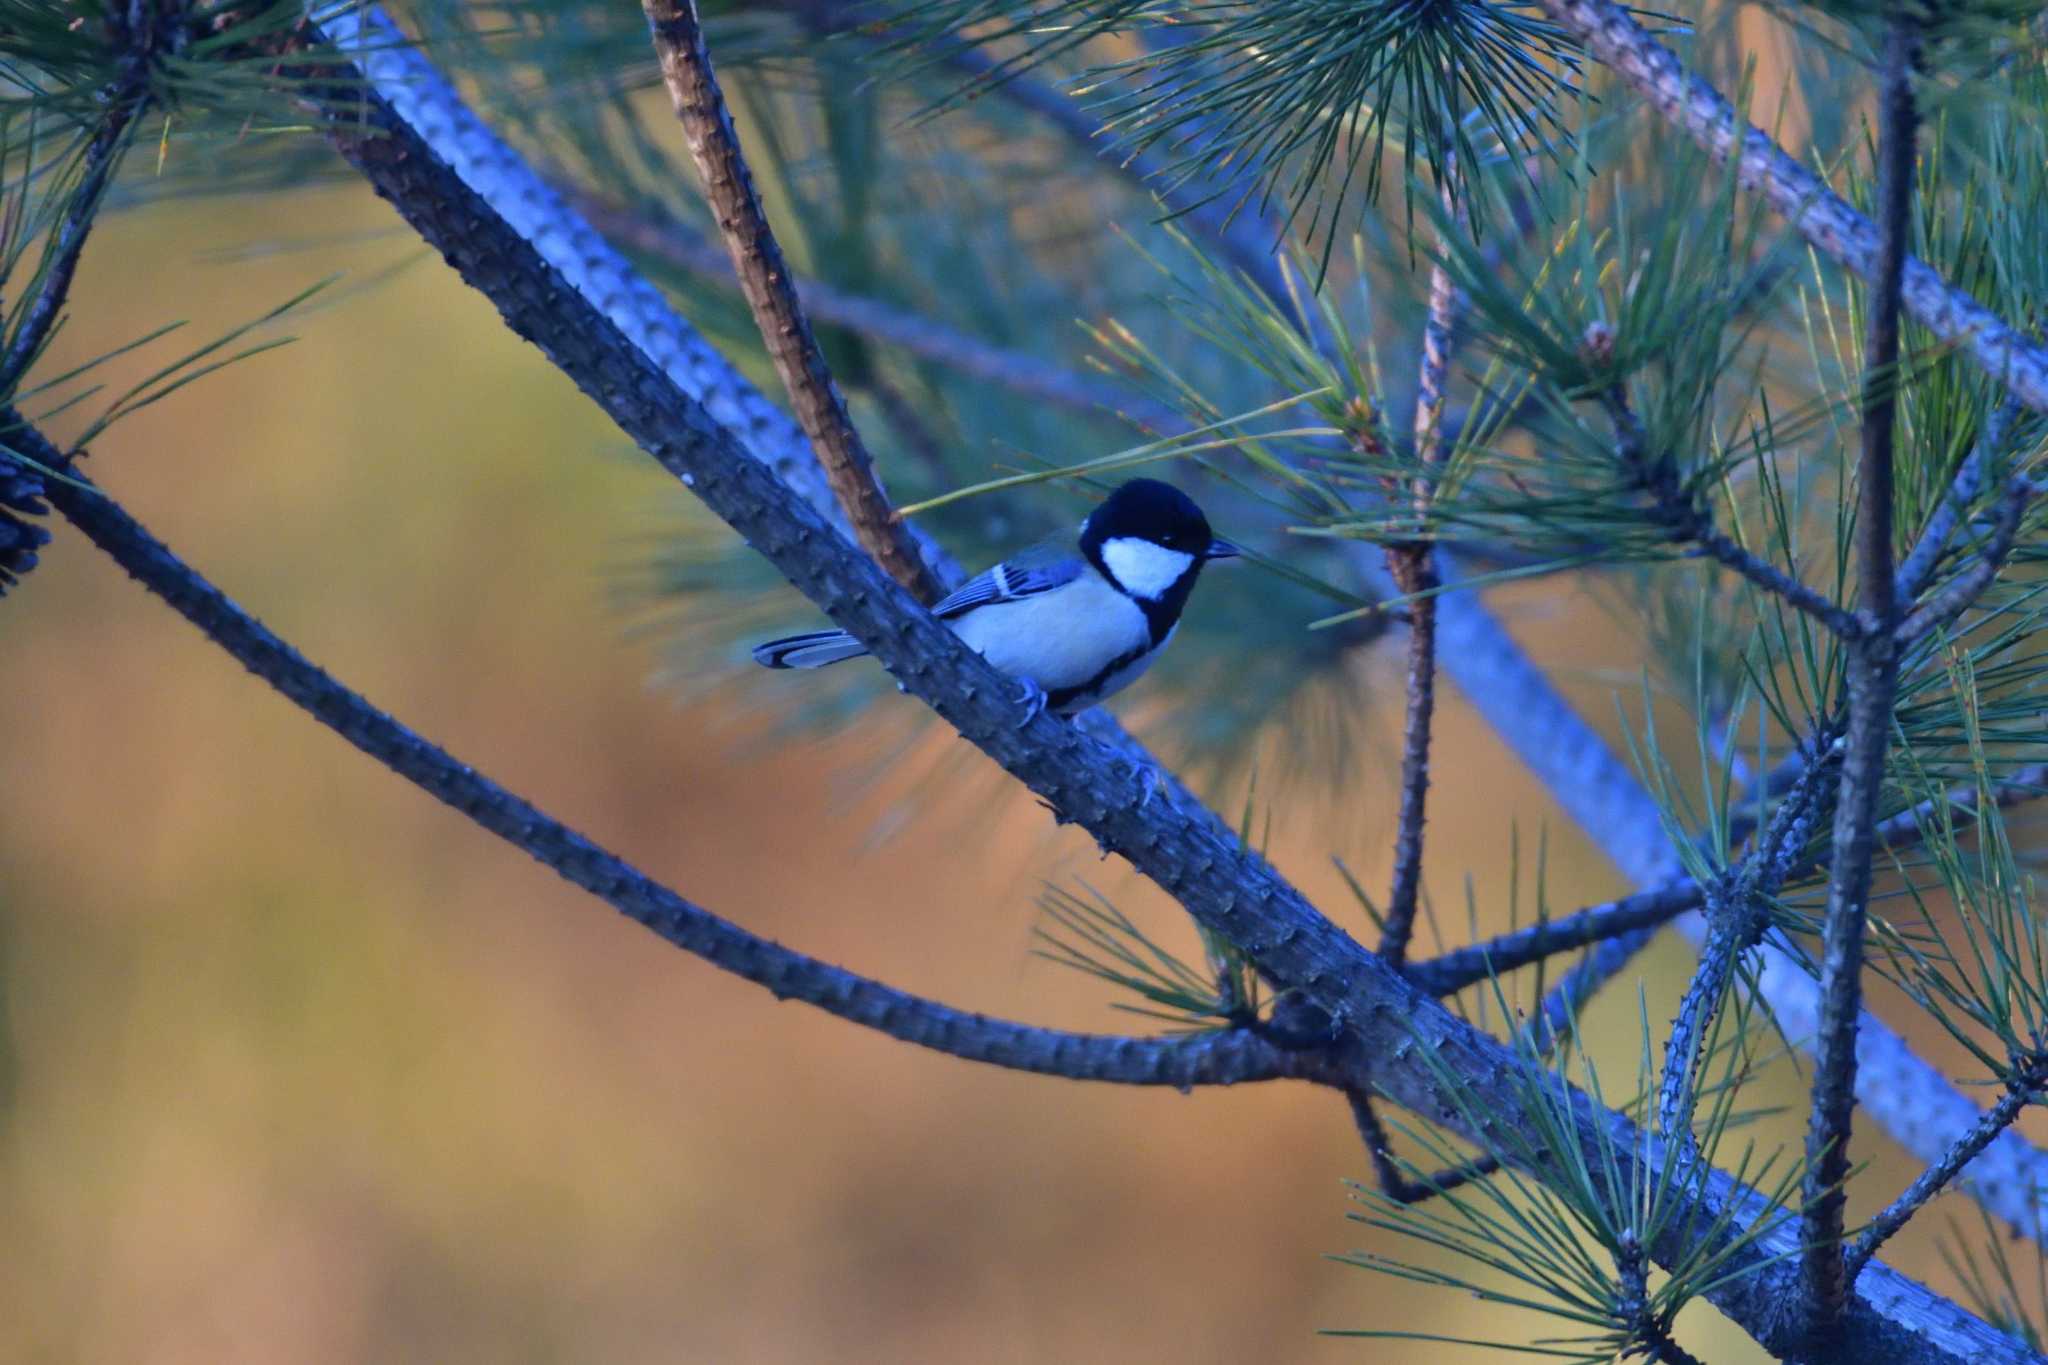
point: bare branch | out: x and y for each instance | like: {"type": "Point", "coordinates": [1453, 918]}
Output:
{"type": "Point", "coordinates": [1817, 213]}
{"type": "Point", "coordinates": [1873, 678]}
{"type": "Point", "coordinates": [1394, 1182]}
{"type": "Point", "coordinates": [1682, 516]}
{"type": "Point", "coordinates": [1462, 967]}
{"type": "Point", "coordinates": [1936, 1177]}
{"type": "Point", "coordinates": [771, 294]}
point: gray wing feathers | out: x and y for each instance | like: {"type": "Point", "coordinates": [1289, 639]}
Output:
{"type": "Point", "coordinates": [814, 650]}
{"type": "Point", "coordinates": [1010, 581]}
{"type": "Point", "coordinates": [1038, 570]}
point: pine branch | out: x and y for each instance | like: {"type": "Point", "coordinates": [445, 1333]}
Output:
{"type": "Point", "coordinates": [1412, 565]}
{"type": "Point", "coordinates": [1916, 570]}
{"type": "Point", "coordinates": [675, 245]}
{"type": "Point", "coordinates": [771, 293]}
{"type": "Point", "coordinates": [1957, 597]}
{"type": "Point", "coordinates": [1229, 1057]}
{"type": "Point", "coordinates": [1822, 217]}
{"type": "Point", "coordinates": [102, 156]}
{"type": "Point", "coordinates": [1680, 515]}
{"type": "Point", "coordinates": [1936, 1177]}
{"type": "Point", "coordinates": [1462, 967]}
{"type": "Point", "coordinates": [1227, 888]}
{"type": "Point", "coordinates": [1873, 677]}
{"type": "Point", "coordinates": [1738, 913]}
{"type": "Point", "coordinates": [1393, 1181]}
{"type": "Point", "coordinates": [414, 95]}
{"type": "Point", "coordinates": [1914, 1102]}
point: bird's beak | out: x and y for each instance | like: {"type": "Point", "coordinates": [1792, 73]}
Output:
{"type": "Point", "coordinates": [1220, 548]}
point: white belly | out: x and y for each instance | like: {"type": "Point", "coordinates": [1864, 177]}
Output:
{"type": "Point", "coordinates": [1062, 639]}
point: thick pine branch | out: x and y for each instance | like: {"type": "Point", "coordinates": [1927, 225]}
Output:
{"type": "Point", "coordinates": [771, 294]}
{"type": "Point", "coordinates": [1872, 669]}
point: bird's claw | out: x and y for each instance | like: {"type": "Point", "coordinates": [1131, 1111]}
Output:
{"type": "Point", "coordinates": [1034, 699]}
{"type": "Point", "coordinates": [1149, 778]}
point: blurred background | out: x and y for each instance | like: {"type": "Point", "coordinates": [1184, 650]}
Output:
{"type": "Point", "coordinates": [296, 1065]}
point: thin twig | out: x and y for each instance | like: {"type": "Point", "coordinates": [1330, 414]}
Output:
{"type": "Point", "coordinates": [771, 293]}
{"type": "Point", "coordinates": [1936, 1177]}
{"type": "Point", "coordinates": [1916, 570]}
{"type": "Point", "coordinates": [1956, 598]}
{"type": "Point", "coordinates": [1462, 967]}
{"type": "Point", "coordinates": [1412, 563]}
{"type": "Point", "coordinates": [1872, 669]}
{"type": "Point", "coordinates": [1681, 515]}
{"type": "Point", "coordinates": [1613, 37]}
{"type": "Point", "coordinates": [1394, 1182]}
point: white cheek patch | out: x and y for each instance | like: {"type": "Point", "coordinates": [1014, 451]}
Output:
{"type": "Point", "coordinates": [1144, 569]}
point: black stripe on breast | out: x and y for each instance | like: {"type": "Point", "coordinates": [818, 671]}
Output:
{"type": "Point", "coordinates": [1059, 699]}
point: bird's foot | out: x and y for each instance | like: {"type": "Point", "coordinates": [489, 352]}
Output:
{"type": "Point", "coordinates": [1034, 699]}
{"type": "Point", "coordinates": [1149, 777]}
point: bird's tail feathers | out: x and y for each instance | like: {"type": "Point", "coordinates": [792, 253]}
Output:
{"type": "Point", "coordinates": [814, 650]}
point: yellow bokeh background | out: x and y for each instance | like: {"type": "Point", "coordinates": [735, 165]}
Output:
{"type": "Point", "coordinates": [297, 1065]}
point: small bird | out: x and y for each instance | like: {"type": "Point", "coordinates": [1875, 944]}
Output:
{"type": "Point", "coordinates": [1074, 621]}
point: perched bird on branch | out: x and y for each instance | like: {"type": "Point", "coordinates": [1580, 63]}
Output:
{"type": "Point", "coordinates": [1074, 619]}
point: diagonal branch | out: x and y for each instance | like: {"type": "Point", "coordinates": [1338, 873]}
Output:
{"type": "Point", "coordinates": [1817, 213]}
{"type": "Point", "coordinates": [1936, 1177]}
{"type": "Point", "coordinates": [101, 156]}
{"type": "Point", "coordinates": [1956, 598]}
{"type": "Point", "coordinates": [1681, 515]}
{"type": "Point", "coordinates": [1220, 1058]}
{"type": "Point", "coordinates": [1916, 570]}
{"type": "Point", "coordinates": [1872, 670]}
{"type": "Point", "coordinates": [771, 294]}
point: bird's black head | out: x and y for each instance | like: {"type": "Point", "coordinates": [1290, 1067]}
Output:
{"type": "Point", "coordinates": [1151, 539]}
